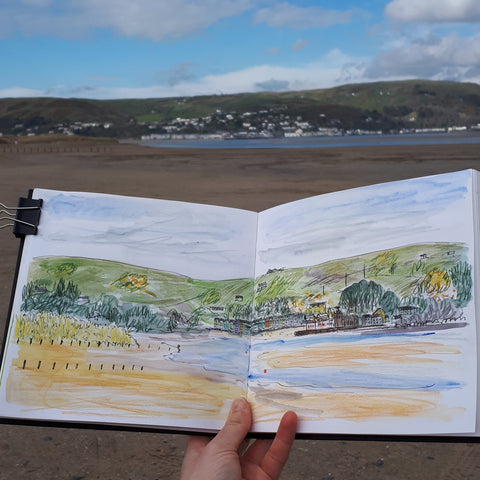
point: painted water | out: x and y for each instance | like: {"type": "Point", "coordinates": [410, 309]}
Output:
{"type": "Point", "coordinates": [345, 361]}
{"type": "Point", "coordinates": [334, 361]}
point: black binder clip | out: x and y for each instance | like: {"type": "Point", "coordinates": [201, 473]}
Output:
{"type": "Point", "coordinates": [24, 218]}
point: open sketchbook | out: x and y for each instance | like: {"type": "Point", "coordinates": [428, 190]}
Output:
{"type": "Point", "coordinates": [356, 309]}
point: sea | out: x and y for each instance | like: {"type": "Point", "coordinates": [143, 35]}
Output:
{"type": "Point", "coordinates": [454, 138]}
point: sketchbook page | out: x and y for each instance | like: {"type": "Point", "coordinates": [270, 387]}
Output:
{"type": "Point", "coordinates": [364, 318]}
{"type": "Point", "coordinates": [130, 311]}
{"type": "Point", "coordinates": [476, 210]}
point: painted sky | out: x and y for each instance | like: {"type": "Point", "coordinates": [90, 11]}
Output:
{"type": "Point", "coordinates": [163, 48]}
{"type": "Point", "coordinates": [200, 241]}
{"type": "Point", "coordinates": [367, 219]}
{"type": "Point", "coordinates": [212, 243]}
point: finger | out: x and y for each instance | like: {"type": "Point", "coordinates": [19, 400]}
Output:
{"type": "Point", "coordinates": [277, 454]}
{"type": "Point", "coordinates": [257, 451]}
{"type": "Point", "coordinates": [236, 427]}
{"type": "Point", "coordinates": [195, 446]}
{"type": "Point", "coordinates": [194, 449]}
{"type": "Point", "coordinates": [197, 442]}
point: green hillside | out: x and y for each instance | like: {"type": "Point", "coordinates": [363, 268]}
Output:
{"type": "Point", "coordinates": [380, 105]}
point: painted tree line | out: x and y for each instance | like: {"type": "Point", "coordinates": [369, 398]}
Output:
{"type": "Point", "coordinates": [436, 295]}
{"type": "Point", "coordinates": [439, 295]}
{"type": "Point", "coordinates": [63, 297]}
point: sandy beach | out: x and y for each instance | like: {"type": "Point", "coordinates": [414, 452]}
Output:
{"type": "Point", "coordinates": [248, 179]}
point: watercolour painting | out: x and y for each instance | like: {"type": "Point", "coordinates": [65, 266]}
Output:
{"type": "Point", "coordinates": [355, 309]}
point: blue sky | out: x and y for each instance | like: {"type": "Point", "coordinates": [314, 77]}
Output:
{"type": "Point", "coordinates": [163, 48]}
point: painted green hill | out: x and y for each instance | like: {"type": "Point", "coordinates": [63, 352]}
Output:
{"type": "Point", "coordinates": [400, 270]}
{"type": "Point", "coordinates": [138, 285]}
{"type": "Point", "coordinates": [147, 299]}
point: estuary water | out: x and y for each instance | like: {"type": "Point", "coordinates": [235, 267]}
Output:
{"type": "Point", "coordinates": [456, 138]}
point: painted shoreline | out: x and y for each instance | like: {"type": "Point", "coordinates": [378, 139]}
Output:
{"type": "Point", "coordinates": [386, 329]}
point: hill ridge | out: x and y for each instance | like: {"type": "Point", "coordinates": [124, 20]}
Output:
{"type": "Point", "coordinates": [376, 106]}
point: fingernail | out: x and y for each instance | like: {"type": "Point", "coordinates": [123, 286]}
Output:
{"type": "Point", "coordinates": [238, 405]}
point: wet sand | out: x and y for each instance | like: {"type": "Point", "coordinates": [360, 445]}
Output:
{"type": "Point", "coordinates": [250, 179]}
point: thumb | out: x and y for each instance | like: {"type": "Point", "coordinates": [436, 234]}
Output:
{"type": "Point", "coordinates": [236, 427]}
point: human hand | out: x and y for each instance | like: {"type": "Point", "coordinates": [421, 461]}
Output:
{"type": "Point", "coordinates": [223, 458]}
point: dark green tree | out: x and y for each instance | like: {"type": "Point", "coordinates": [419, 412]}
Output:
{"type": "Point", "coordinates": [389, 302]}
{"type": "Point", "coordinates": [174, 318]}
{"type": "Point", "coordinates": [361, 297]}
{"type": "Point", "coordinates": [461, 277]}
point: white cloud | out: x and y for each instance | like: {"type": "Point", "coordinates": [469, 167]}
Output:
{"type": "Point", "coordinates": [153, 19]}
{"type": "Point", "coordinates": [300, 44]}
{"type": "Point", "coordinates": [437, 58]}
{"type": "Point", "coordinates": [287, 15]}
{"type": "Point", "coordinates": [161, 19]}
{"type": "Point", "coordinates": [16, 92]}
{"type": "Point", "coordinates": [273, 85]}
{"type": "Point", "coordinates": [434, 11]}
{"type": "Point", "coordinates": [333, 69]}
{"type": "Point", "coordinates": [447, 58]}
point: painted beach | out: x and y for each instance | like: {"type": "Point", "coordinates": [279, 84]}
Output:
{"type": "Point", "coordinates": [358, 377]}
{"type": "Point", "coordinates": [159, 378]}
{"type": "Point", "coordinates": [342, 377]}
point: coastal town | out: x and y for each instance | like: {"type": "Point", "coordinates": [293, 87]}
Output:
{"type": "Point", "coordinates": [262, 124]}
{"type": "Point", "coordinates": [381, 108]}
{"type": "Point", "coordinates": [271, 124]}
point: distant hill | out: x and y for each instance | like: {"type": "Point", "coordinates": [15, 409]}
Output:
{"type": "Point", "coordinates": [380, 106]}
